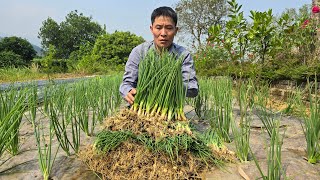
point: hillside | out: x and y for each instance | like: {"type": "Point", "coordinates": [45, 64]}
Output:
{"type": "Point", "coordinates": [38, 50]}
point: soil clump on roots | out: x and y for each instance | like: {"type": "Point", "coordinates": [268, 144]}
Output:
{"type": "Point", "coordinates": [132, 159]}
{"type": "Point", "coordinates": [155, 126]}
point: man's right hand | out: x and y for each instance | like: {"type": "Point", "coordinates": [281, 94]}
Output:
{"type": "Point", "coordinates": [130, 96]}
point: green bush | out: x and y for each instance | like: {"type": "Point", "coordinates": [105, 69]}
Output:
{"type": "Point", "coordinates": [109, 53]}
{"type": "Point", "coordinates": [208, 59]}
{"type": "Point", "coordinates": [115, 48]}
{"type": "Point", "coordinates": [10, 59]}
{"type": "Point", "coordinates": [76, 57]}
{"type": "Point", "coordinates": [50, 63]}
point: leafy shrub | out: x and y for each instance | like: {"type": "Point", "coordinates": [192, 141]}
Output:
{"type": "Point", "coordinates": [10, 59]}
{"type": "Point", "coordinates": [51, 64]}
{"type": "Point", "coordinates": [209, 57]}
{"type": "Point", "coordinates": [115, 48]}
{"type": "Point", "coordinates": [109, 53]}
{"type": "Point", "coordinates": [82, 54]}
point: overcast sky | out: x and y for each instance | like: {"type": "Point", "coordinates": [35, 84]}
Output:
{"type": "Point", "coordinates": [24, 18]}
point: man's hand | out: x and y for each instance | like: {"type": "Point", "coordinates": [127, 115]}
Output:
{"type": "Point", "coordinates": [130, 96]}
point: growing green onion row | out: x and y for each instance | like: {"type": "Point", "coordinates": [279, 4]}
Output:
{"type": "Point", "coordinates": [160, 89]}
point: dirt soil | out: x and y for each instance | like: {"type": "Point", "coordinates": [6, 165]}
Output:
{"type": "Point", "coordinates": [25, 164]}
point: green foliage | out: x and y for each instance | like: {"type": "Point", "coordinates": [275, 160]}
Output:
{"type": "Point", "coordinates": [19, 74]}
{"type": "Point", "coordinates": [110, 51]}
{"type": "Point", "coordinates": [270, 47]}
{"type": "Point", "coordinates": [263, 32]}
{"type": "Point", "coordinates": [241, 133]}
{"type": "Point", "coordinates": [115, 48]}
{"type": "Point", "coordinates": [70, 34]}
{"type": "Point", "coordinates": [79, 55]}
{"type": "Point", "coordinates": [79, 44]}
{"type": "Point", "coordinates": [227, 68]}
{"type": "Point", "coordinates": [297, 14]}
{"type": "Point", "coordinates": [18, 46]}
{"type": "Point", "coordinates": [12, 108]}
{"type": "Point", "coordinates": [210, 57]}
{"type": "Point", "coordinates": [235, 37]}
{"type": "Point", "coordinates": [50, 63]}
{"type": "Point", "coordinates": [10, 59]}
{"type": "Point", "coordinates": [241, 39]}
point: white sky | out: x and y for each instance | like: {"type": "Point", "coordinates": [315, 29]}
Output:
{"type": "Point", "coordinates": [24, 18]}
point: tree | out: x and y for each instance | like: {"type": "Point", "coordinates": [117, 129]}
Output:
{"type": "Point", "coordinates": [295, 15]}
{"type": "Point", "coordinates": [109, 51]}
{"type": "Point", "coordinates": [116, 47]}
{"type": "Point", "coordinates": [19, 46]}
{"type": "Point", "coordinates": [70, 34]}
{"type": "Point", "coordinates": [196, 16]}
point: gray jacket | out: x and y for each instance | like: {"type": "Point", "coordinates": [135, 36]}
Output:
{"type": "Point", "coordinates": [130, 77]}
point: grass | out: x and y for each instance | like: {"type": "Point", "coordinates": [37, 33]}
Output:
{"type": "Point", "coordinates": [8, 75]}
{"type": "Point", "coordinates": [109, 140]}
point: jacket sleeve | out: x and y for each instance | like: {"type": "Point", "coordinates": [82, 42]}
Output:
{"type": "Point", "coordinates": [189, 76]}
{"type": "Point", "coordinates": [130, 77]}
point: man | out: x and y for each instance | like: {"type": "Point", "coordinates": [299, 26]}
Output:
{"type": "Point", "coordinates": [163, 28]}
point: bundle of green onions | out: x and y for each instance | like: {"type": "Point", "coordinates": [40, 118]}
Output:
{"type": "Point", "coordinates": [160, 89]}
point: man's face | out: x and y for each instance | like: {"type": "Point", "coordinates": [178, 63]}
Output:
{"type": "Point", "coordinates": [163, 30]}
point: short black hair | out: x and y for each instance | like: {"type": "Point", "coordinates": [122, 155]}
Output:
{"type": "Point", "coordinates": [164, 11]}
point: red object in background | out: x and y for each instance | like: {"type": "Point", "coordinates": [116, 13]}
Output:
{"type": "Point", "coordinates": [315, 9]}
{"type": "Point", "coordinates": [305, 23]}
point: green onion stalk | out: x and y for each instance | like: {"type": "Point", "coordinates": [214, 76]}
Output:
{"type": "Point", "coordinates": [9, 100]}
{"type": "Point", "coordinates": [220, 112]}
{"type": "Point", "coordinates": [275, 169]}
{"type": "Point", "coordinates": [160, 89]}
{"type": "Point", "coordinates": [58, 114]}
{"type": "Point", "coordinates": [201, 102]}
{"type": "Point", "coordinates": [46, 157]}
{"type": "Point", "coordinates": [266, 115]}
{"type": "Point", "coordinates": [9, 124]}
{"type": "Point", "coordinates": [81, 106]}
{"type": "Point", "coordinates": [311, 126]}
{"type": "Point", "coordinates": [241, 134]}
